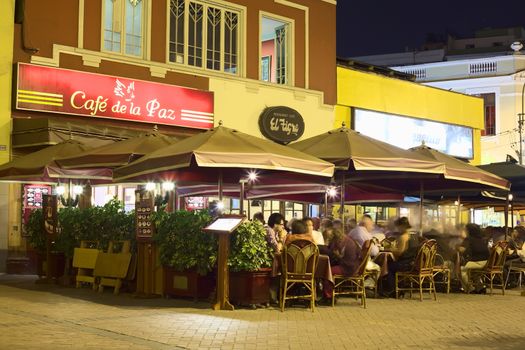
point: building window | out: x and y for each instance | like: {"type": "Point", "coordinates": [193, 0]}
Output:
{"type": "Point", "coordinates": [124, 26]}
{"type": "Point", "coordinates": [204, 35]}
{"type": "Point", "coordinates": [489, 106]}
{"type": "Point", "coordinates": [275, 51]}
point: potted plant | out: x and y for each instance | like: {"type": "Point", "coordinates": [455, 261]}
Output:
{"type": "Point", "coordinates": [250, 263]}
{"type": "Point", "coordinates": [187, 253]}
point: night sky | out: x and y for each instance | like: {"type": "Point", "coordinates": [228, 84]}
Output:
{"type": "Point", "coordinates": [374, 27]}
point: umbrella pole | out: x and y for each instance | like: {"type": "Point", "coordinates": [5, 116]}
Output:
{"type": "Point", "coordinates": [343, 201]}
{"type": "Point", "coordinates": [506, 211]}
{"type": "Point", "coordinates": [220, 186]}
{"type": "Point", "coordinates": [325, 204]}
{"type": "Point", "coordinates": [241, 197]}
{"type": "Point", "coordinates": [421, 194]}
{"type": "Point", "coordinates": [459, 210]}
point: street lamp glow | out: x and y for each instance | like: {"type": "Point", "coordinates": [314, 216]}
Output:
{"type": "Point", "coordinates": [332, 192]}
{"type": "Point", "coordinates": [77, 189]}
{"type": "Point", "coordinates": [252, 176]}
{"type": "Point", "coordinates": [220, 205]}
{"type": "Point", "coordinates": [60, 190]}
{"type": "Point", "coordinates": [511, 197]}
{"type": "Point", "coordinates": [150, 186]}
{"type": "Point", "coordinates": [168, 186]}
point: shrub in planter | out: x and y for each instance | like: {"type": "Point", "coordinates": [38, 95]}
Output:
{"type": "Point", "coordinates": [250, 262]}
{"type": "Point", "coordinates": [188, 253]}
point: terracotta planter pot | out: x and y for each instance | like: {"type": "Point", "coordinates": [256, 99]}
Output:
{"type": "Point", "coordinates": [187, 284]}
{"type": "Point", "coordinates": [250, 288]}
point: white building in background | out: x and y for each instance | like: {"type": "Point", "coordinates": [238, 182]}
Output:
{"type": "Point", "coordinates": [485, 66]}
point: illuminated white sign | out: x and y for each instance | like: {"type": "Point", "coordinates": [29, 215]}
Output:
{"type": "Point", "coordinates": [407, 132]}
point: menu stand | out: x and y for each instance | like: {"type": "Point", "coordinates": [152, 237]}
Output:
{"type": "Point", "coordinates": [223, 226]}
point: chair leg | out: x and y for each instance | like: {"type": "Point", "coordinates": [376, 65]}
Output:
{"type": "Point", "coordinates": [283, 296]}
{"type": "Point", "coordinates": [312, 299]}
{"type": "Point", "coordinates": [363, 293]}
{"type": "Point", "coordinates": [491, 283]}
{"type": "Point", "coordinates": [397, 287]}
{"type": "Point", "coordinates": [448, 282]}
{"type": "Point", "coordinates": [503, 285]}
{"type": "Point", "coordinates": [433, 287]}
{"type": "Point", "coordinates": [421, 288]}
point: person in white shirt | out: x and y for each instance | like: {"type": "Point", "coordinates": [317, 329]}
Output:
{"type": "Point", "coordinates": [316, 235]}
{"type": "Point", "coordinates": [361, 234]}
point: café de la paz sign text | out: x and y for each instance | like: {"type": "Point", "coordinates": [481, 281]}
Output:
{"type": "Point", "coordinates": [65, 91]}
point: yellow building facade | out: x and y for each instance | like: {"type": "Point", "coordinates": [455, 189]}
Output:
{"type": "Point", "coordinates": [376, 92]}
{"type": "Point", "coordinates": [360, 88]}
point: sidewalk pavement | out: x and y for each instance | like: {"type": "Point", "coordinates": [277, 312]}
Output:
{"type": "Point", "coordinates": [36, 316]}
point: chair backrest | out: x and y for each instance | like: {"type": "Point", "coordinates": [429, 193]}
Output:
{"type": "Point", "coordinates": [300, 258]}
{"type": "Point", "coordinates": [497, 256]}
{"type": "Point", "coordinates": [365, 255]}
{"type": "Point", "coordinates": [424, 261]}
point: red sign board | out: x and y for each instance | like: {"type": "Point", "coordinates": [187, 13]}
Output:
{"type": "Point", "coordinates": [65, 91]}
{"type": "Point", "coordinates": [33, 195]}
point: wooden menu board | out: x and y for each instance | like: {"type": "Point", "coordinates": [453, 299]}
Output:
{"type": "Point", "coordinates": [144, 209]}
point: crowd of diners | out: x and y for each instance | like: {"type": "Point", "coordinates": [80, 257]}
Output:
{"type": "Point", "coordinates": [462, 247]}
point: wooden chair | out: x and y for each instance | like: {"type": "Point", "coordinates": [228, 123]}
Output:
{"type": "Point", "coordinates": [493, 268]}
{"type": "Point", "coordinates": [440, 268]}
{"type": "Point", "coordinates": [354, 285]}
{"type": "Point", "coordinates": [299, 261]}
{"type": "Point", "coordinates": [421, 272]}
{"type": "Point", "coordinates": [515, 267]}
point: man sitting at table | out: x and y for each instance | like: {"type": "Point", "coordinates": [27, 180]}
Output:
{"type": "Point", "coordinates": [361, 234]}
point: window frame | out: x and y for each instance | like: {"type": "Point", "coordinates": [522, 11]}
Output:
{"type": "Point", "coordinates": [241, 37]}
{"type": "Point", "coordinates": [290, 43]}
{"type": "Point", "coordinates": [146, 29]}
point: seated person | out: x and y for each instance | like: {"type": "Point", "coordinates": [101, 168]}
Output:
{"type": "Point", "coordinates": [298, 231]}
{"type": "Point", "coordinates": [275, 232]}
{"type": "Point", "coordinates": [404, 250]}
{"type": "Point", "coordinates": [316, 235]}
{"type": "Point", "coordinates": [515, 241]}
{"type": "Point", "coordinates": [348, 255]}
{"type": "Point", "coordinates": [362, 233]}
{"type": "Point", "coordinates": [475, 253]}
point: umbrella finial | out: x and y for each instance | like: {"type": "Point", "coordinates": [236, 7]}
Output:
{"type": "Point", "coordinates": [155, 128]}
{"type": "Point", "coordinates": [220, 122]}
{"type": "Point", "coordinates": [343, 125]}
{"type": "Point", "coordinates": [423, 143]}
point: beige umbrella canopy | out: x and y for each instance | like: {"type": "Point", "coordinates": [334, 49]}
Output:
{"type": "Point", "coordinates": [118, 153]}
{"type": "Point", "coordinates": [456, 169]}
{"type": "Point", "coordinates": [350, 150]}
{"type": "Point", "coordinates": [41, 166]}
{"type": "Point", "coordinates": [222, 147]}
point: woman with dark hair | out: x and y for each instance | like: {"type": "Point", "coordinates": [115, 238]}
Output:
{"type": "Point", "coordinates": [475, 253]}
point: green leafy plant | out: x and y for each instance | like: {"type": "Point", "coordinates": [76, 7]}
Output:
{"type": "Point", "coordinates": [182, 243]}
{"type": "Point", "coordinates": [34, 230]}
{"type": "Point", "coordinates": [249, 250]}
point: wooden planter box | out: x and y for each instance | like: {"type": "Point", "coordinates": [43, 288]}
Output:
{"type": "Point", "coordinates": [250, 288]}
{"type": "Point", "coordinates": [187, 284]}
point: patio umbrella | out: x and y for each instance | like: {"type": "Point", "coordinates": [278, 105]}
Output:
{"type": "Point", "coordinates": [222, 148]}
{"type": "Point", "coordinates": [41, 166]}
{"type": "Point", "coordinates": [118, 153]}
{"type": "Point", "coordinates": [456, 169]}
{"type": "Point", "coordinates": [361, 158]}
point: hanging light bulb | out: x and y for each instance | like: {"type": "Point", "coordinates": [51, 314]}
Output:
{"type": "Point", "coordinates": [150, 186]}
{"type": "Point", "coordinates": [168, 186]}
{"type": "Point", "coordinates": [60, 190]}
